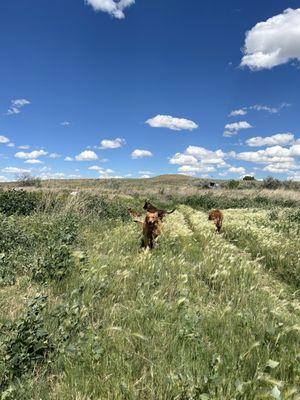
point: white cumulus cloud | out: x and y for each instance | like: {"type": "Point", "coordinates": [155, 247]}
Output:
{"type": "Point", "coordinates": [181, 159]}
{"type": "Point", "coordinates": [278, 139]}
{"type": "Point", "coordinates": [237, 170]}
{"type": "Point", "coordinates": [138, 153]}
{"type": "Point", "coordinates": [196, 159]}
{"type": "Point", "coordinates": [175, 124]}
{"type": "Point", "coordinates": [112, 144]}
{"type": "Point", "coordinates": [112, 7]}
{"type": "Point", "coordinates": [196, 168]}
{"type": "Point", "coordinates": [273, 42]}
{"type": "Point", "coordinates": [31, 155]}
{"type": "Point", "coordinates": [236, 113]}
{"type": "Point", "coordinates": [86, 155]}
{"type": "Point", "coordinates": [4, 139]}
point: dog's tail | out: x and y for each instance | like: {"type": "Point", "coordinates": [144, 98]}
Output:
{"type": "Point", "coordinates": [171, 212]}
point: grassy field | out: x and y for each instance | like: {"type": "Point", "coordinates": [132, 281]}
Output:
{"type": "Point", "coordinates": [87, 314]}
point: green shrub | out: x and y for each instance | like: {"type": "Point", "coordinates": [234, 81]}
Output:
{"type": "Point", "coordinates": [105, 208]}
{"type": "Point", "coordinates": [25, 343]}
{"type": "Point", "coordinates": [15, 248]}
{"type": "Point", "coordinates": [209, 201]}
{"type": "Point", "coordinates": [53, 263]}
{"type": "Point", "coordinates": [39, 246]}
{"type": "Point", "coordinates": [18, 202]}
{"type": "Point", "coordinates": [271, 183]}
{"type": "Point", "coordinates": [28, 180]}
{"type": "Point", "coordinates": [232, 184]}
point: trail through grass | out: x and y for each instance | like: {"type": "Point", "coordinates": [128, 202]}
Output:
{"type": "Point", "coordinates": [276, 245]}
{"type": "Point", "coordinates": [192, 318]}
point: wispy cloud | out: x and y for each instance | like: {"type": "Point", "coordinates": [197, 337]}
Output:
{"type": "Point", "coordinates": [15, 170]}
{"type": "Point", "coordinates": [271, 110]}
{"type": "Point", "coordinates": [16, 105]}
{"type": "Point", "coordinates": [54, 155]}
{"type": "Point", "coordinates": [235, 127]}
{"type": "Point", "coordinates": [34, 161]}
{"type": "Point", "coordinates": [169, 122]}
{"type": "Point", "coordinates": [65, 123]}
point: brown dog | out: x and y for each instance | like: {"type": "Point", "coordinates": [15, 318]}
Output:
{"type": "Point", "coordinates": [152, 209]}
{"type": "Point", "coordinates": [151, 225]}
{"type": "Point", "coordinates": [217, 217]}
{"type": "Point", "coordinates": [151, 229]}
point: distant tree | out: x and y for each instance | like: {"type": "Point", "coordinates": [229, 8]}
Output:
{"type": "Point", "coordinates": [248, 178]}
{"type": "Point", "coordinates": [271, 183]}
{"type": "Point", "coordinates": [28, 180]}
{"type": "Point", "coordinates": [232, 184]}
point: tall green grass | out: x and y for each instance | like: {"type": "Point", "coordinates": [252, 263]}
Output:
{"type": "Point", "coordinates": [196, 318]}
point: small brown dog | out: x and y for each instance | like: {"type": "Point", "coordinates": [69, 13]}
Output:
{"type": "Point", "coordinates": [152, 209]}
{"type": "Point", "coordinates": [151, 229]}
{"type": "Point", "coordinates": [151, 225]}
{"type": "Point", "coordinates": [217, 217]}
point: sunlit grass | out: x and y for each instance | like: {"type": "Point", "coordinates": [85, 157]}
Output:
{"type": "Point", "coordinates": [196, 318]}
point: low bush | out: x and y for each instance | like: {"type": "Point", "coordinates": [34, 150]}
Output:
{"type": "Point", "coordinates": [18, 202]}
{"type": "Point", "coordinates": [232, 184]}
{"type": "Point", "coordinates": [271, 183]}
{"type": "Point", "coordinates": [209, 201]}
{"type": "Point", "coordinates": [53, 263]}
{"type": "Point", "coordinates": [105, 208]}
{"type": "Point", "coordinates": [24, 343]}
{"type": "Point", "coordinates": [29, 180]}
{"type": "Point", "coordinates": [39, 246]}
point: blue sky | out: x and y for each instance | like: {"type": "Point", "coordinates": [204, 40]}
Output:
{"type": "Point", "coordinates": [101, 88]}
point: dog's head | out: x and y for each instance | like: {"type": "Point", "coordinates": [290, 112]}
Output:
{"type": "Point", "coordinates": [147, 205]}
{"type": "Point", "coordinates": [152, 219]}
{"type": "Point", "coordinates": [210, 215]}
